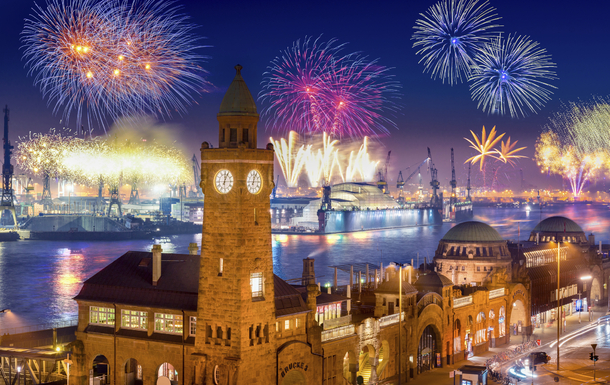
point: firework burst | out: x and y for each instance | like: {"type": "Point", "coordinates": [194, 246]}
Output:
{"type": "Point", "coordinates": [314, 88]}
{"type": "Point", "coordinates": [291, 160]}
{"type": "Point", "coordinates": [575, 144]}
{"type": "Point", "coordinates": [450, 34]}
{"type": "Point", "coordinates": [110, 58]}
{"type": "Point", "coordinates": [484, 146]}
{"type": "Point", "coordinates": [510, 76]}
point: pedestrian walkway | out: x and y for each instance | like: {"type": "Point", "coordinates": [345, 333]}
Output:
{"type": "Point", "coordinates": [547, 335]}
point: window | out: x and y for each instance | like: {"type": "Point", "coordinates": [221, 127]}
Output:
{"type": "Point", "coordinates": [277, 327]}
{"type": "Point", "coordinates": [224, 137]}
{"type": "Point", "coordinates": [233, 133]}
{"type": "Point", "coordinates": [101, 315]}
{"type": "Point", "coordinates": [287, 324]}
{"type": "Point", "coordinates": [134, 319]}
{"type": "Point", "coordinates": [256, 283]}
{"type": "Point", "coordinates": [168, 323]}
{"type": "Point", "coordinates": [296, 323]}
{"type": "Point", "coordinates": [221, 267]}
{"type": "Point", "coordinates": [245, 138]}
{"type": "Point", "coordinates": [478, 268]}
{"type": "Point", "coordinates": [463, 268]}
{"type": "Point", "coordinates": [193, 326]}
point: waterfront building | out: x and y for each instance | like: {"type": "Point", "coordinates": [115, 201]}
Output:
{"type": "Point", "coordinates": [224, 317]}
{"type": "Point", "coordinates": [579, 258]}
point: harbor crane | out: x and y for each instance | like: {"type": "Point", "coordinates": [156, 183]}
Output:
{"type": "Point", "coordinates": [7, 201]}
{"type": "Point", "coordinates": [400, 185]}
{"type": "Point", "coordinates": [435, 201]}
{"type": "Point", "coordinates": [196, 176]}
{"type": "Point", "coordinates": [382, 183]}
{"type": "Point", "coordinates": [468, 186]}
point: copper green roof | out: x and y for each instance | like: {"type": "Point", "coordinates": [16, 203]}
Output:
{"type": "Point", "coordinates": [556, 225]}
{"type": "Point", "coordinates": [238, 100]}
{"type": "Point", "coordinates": [473, 231]}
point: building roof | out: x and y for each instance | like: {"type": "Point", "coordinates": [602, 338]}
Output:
{"type": "Point", "coordinates": [238, 99]}
{"type": "Point", "coordinates": [391, 287]}
{"type": "Point", "coordinates": [556, 225]}
{"type": "Point", "coordinates": [128, 281]}
{"type": "Point", "coordinates": [432, 279]}
{"type": "Point", "coordinates": [473, 231]}
{"type": "Point", "coordinates": [288, 300]}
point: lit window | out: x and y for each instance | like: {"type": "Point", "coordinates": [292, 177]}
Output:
{"type": "Point", "coordinates": [287, 324]}
{"type": "Point", "coordinates": [296, 323]}
{"type": "Point", "coordinates": [101, 315]}
{"type": "Point", "coordinates": [193, 326]}
{"type": "Point", "coordinates": [256, 283]}
{"type": "Point", "coordinates": [134, 319]}
{"type": "Point", "coordinates": [277, 327]}
{"type": "Point", "coordinates": [221, 267]}
{"type": "Point", "coordinates": [168, 323]}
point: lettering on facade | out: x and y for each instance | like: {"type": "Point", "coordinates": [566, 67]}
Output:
{"type": "Point", "coordinates": [521, 292]}
{"type": "Point", "coordinates": [294, 365]}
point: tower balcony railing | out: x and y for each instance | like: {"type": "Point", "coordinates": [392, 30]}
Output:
{"type": "Point", "coordinates": [462, 301]}
{"type": "Point", "coordinates": [337, 333]}
{"type": "Point", "coordinates": [390, 319]}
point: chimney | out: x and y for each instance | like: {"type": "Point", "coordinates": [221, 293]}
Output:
{"type": "Point", "coordinates": [156, 260]}
{"type": "Point", "coordinates": [193, 249]}
{"type": "Point", "coordinates": [309, 274]}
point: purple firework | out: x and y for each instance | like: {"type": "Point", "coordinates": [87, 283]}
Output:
{"type": "Point", "coordinates": [313, 88]}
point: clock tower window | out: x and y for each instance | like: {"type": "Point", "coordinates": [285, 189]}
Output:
{"type": "Point", "coordinates": [233, 133]}
{"type": "Point", "coordinates": [221, 267]}
{"type": "Point", "coordinates": [256, 283]}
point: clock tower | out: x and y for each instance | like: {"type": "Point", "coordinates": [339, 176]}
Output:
{"type": "Point", "coordinates": [235, 337]}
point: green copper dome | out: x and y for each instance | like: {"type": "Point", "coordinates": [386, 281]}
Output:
{"type": "Point", "coordinates": [556, 225]}
{"type": "Point", "coordinates": [473, 231]}
{"type": "Point", "coordinates": [238, 100]}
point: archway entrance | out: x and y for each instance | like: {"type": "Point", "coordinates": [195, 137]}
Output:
{"type": "Point", "coordinates": [364, 361]}
{"type": "Point", "coordinates": [133, 372]}
{"type": "Point", "coordinates": [426, 352]}
{"type": "Point", "coordinates": [168, 371]}
{"type": "Point", "coordinates": [384, 357]}
{"type": "Point", "coordinates": [101, 371]}
{"type": "Point", "coordinates": [294, 377]}
{"type": "Point", "coordinates": [517, 318]}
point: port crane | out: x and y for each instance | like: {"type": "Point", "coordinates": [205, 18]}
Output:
{"type": "Point", "coordinates": [435, 201]}
{"type": "Point", "coordinates": [7, 201]}
{"type": "Point", "coordinates": [197, 176]}
{"type": "Point", "coordinates": [468, 186]}
{"type": "Point", "coordinates": [400, 185]}
{"type": "Point", "coordinates": [382, 183]}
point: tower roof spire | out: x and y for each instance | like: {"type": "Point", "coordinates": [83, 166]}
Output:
{"type": "Point", "coordinates": [238, 100]}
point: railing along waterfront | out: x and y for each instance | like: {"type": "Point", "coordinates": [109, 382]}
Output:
{"type": "Point", "coordinates": [390, 319]}
{"type": "Point", "coordinates": [341, 332]}
{"type": "Point", "coordinates": [496, 293]}
{"type": "Point", "coordinates": [462, 301]}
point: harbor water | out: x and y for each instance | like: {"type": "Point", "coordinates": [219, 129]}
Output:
{"type": "Point", "coordinates": [38, 279]}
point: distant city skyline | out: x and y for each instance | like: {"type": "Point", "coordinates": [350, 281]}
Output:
{"type": "Point", "coordinates": [432, 114]}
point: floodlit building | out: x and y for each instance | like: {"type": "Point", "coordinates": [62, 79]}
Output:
{"type": "Point", "coordinates": [224, 317]}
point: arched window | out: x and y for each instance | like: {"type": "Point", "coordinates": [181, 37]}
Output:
{"type": "Point", "coordinates": [501, 324]}
{"type": "Point", "coordinates": [481, 330]}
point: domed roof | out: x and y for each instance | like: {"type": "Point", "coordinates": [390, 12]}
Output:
{"type": "Point", "coordinates": [238, 99]}
{"type": "Point", "coordinates": [556, 225]}
{"type": "Point", "coordinates": [432, 279]}
{"type": "Point", "coordinates": [473, 231]}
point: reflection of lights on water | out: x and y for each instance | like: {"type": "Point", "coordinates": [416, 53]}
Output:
{"type": "Point", "coordinates": [282, 238]}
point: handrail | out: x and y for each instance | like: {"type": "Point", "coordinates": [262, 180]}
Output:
{"type": "Point", "coordinates": [340, 332]}
{"type": "Point", "coordinates": [462, 301]}
{"type": "Point", "coordinates": [390, 319]}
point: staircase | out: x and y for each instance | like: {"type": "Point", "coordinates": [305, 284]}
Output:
{"type": "Point", "coordinates": [365, 367]}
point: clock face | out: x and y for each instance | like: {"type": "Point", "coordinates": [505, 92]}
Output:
{"type": "Point", "coordinates": [254, 182]}
{"type": "Point", "coordinates": [223, 181]}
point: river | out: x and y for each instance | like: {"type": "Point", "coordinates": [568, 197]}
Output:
{"type": "Point", "coordinates": [38, 279]}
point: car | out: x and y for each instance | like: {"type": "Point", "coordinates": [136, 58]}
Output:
{"type": "Point", "coordinates": [540, 358]}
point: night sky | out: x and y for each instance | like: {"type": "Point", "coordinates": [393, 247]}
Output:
{"type": "Point", "coordinates": [433, 114]}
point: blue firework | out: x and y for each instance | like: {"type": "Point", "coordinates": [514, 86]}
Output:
{"type": "Point", "coordinates": [450, 34]}
{"type": "Point", "coordinates": [511, 76]}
